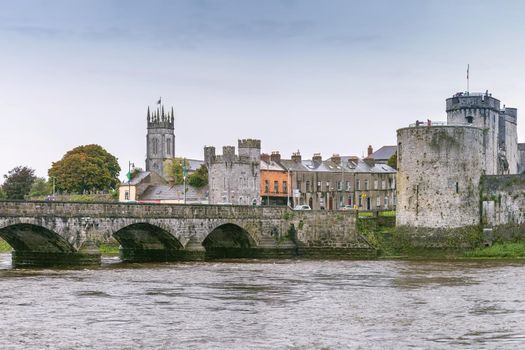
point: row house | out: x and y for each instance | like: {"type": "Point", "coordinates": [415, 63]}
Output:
{"type": "Point", "coordinates": [340, 181]}
{"type": "Point", "coordinates": [275, 181]}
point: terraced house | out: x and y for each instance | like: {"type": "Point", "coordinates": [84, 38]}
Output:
{"type": "Point", "coordinates": [341, 181]}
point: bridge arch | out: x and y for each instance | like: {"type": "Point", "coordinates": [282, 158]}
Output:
{"type": "Point", "coordinates": [146, 236]}
{"type": "Point", "coordinates": [229, 240]}
{"type": "Point", "coordinates": [34, 238]}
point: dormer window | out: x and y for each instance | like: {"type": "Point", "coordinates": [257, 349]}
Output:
{"type": "Point", "coordinates": [469, 119]}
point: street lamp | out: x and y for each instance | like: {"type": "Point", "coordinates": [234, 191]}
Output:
{"type": "Point", "coordinates": [289, 185]}
{"type": "Point", "coordinates": [53, 178]}
{"type": "Point", "coordinates": [130, 164]}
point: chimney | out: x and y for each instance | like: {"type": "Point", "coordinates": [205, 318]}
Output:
{"type": "Point", "coordinates": [265, 157]}
{"type": "Point", "coordinates": [370, 150]}
{"type": "Point", "coordinates": [296, 157]}
{"type": "Point", "coordinates": [336, 158]}
{"type": "Point", "coordinates": [275, 157]}
{"type": "Point", "coordinates": [317, 158]}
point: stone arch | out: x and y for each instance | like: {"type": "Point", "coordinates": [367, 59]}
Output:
{"type": "Point", "coordinates": [146, 236]}
{"type": "Point", "coordinates": [34, 238]}
{"type": "Point", "coordinates": [229, 236]}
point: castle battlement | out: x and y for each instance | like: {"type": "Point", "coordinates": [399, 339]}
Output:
{"type": "Point", "coordinates": [470, 100]}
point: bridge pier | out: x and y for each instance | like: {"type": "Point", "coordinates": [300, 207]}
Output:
{"type": "Point", "coordinates": [159, 255]}
{"type": "Point", "coordinates": [88, 255]}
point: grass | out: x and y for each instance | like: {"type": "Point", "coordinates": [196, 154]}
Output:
{"type": "Point", "coordinates": [387, 213]}
{"type": "Point", "coordinates": [4, 247]}
{"type": "Point", "coordinates": [499, 250]}
{"type": "Point", "coordinates": [109, 249]}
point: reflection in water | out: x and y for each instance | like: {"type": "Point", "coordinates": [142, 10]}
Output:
{"type": "Point", "coordinates": [288, 304]}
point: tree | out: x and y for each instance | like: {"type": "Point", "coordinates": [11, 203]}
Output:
{"type": "Point", "coordinates": [86, 168]}
{"type": "Point", "coordinates": [392, 161]}
{"type": "Point", "coordinates": [174, 169]}
{"type": "Point", "coordinates": [200, 177]}
{"type": "Point", "coordinates": [2, 194]}
{"type": "Point", "coordinates": [40, 188]}
{"type": "Point", "coordinates": [18, 182]}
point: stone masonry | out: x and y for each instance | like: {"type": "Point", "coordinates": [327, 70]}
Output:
{"type": "Point", "coordinates": [234, 179]}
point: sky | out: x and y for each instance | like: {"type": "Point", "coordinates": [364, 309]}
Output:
{"type": "Point", "coordinates": [324, 76]}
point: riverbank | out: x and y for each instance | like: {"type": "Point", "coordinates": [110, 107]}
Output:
{"type": "Point", "coordinates": [508, 250]}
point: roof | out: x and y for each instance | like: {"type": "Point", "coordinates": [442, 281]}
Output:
{"type": "Point", "coordinates": [138, 178]}
{"type": "Point", "coordinates": [384, 153]}
{"type": "Point", "coordinates": [194, 164]}
{"type": "Point", "coordinates": [271, 166]}
{"type": "Point", "coordinates": [167, 192]}
{"type": "Point", "coordinates": [351, 164]}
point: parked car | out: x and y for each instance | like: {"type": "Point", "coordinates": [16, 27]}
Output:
{"type": "Point", "coordinates": [346, 207]}
{"type": "Point", "coordinates": [302, 207]}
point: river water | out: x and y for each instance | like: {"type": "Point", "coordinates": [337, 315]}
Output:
{"type": "Point", "coordinates": [284, 304]}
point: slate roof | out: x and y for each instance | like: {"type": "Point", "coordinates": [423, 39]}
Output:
{"type": "Point", "coordinates": [384, 153]}
{"type": "Point", "coordinates": [350, 163]}
{"type": "Point", "coordinates": [271, 166]}
{"type": "Point", "coordinates": [137, 179]}
{"type": "Point", "coordinates": [167, 192]}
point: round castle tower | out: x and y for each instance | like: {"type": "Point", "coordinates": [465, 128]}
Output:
{"type": "Point", "coordinates": [439, 170]}
{"type": "Point", "coordinates": [160, 139]}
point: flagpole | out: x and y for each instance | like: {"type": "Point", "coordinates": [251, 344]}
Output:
{"type": "Point", "coordinates": [184, 177]}
{"type": "Point", "coordinates": [468, 87]}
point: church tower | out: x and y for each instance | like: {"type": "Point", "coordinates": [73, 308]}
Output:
{"type": "Point", "coordinates": [160, 139]}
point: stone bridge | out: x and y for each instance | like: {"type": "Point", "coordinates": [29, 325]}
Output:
{"type": "Point", "coordinates": [52, 233]}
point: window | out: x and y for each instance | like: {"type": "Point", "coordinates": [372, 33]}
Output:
{"type": "Point", "coordinates": [457, 187]}
{"type": "Point", "coordinates": [307, 186]}
{"type": "Point", "coordinates": [266, 186]}
{"type": "Point", "coordinates": [327, 185]}
{"type": "Point", "coordinates": [348, 185]}
{"type": "Point", "coordinates": [298, 184]}
{"type": "Point", "coordinates": [155, 146]}
{"type": "Point", "coordinates": [276, 186]}
{"type": "Point", "coordinates": [386, 202]}
{"type": "Point", "coordinates": [366, 184]}
{"type": "Point", "coordinates": [318, 185]}
{"type": "Point", "coordinates": [285, 187]}
{"type": "Point", "coordinates": [383, 185]}
{"type": "Point", "coordinates": [339, 186]}
{"type": "Point", "coordinates": [358, 186]}
{"type": "Point", "coordinates": [469, 119]}
{"type": "Point", "coordinates": [376, 183]}
{"type": "Point", "coordinates": [378, 201]}
{"type": "Point", "coordinates": [168, 146]}
{"type": "Point", "coordinates": [126, 196]}
{"type": "Point", "coordinates": [360, 201]}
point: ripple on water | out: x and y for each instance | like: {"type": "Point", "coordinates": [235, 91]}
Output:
{"type": "Point", "coordinates": [265, 305]}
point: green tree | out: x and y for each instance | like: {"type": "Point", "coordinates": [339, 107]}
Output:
{"type": "Point", "coordinates": [392, 161]}
{"type": "Point", "coordinates": [174, 169]}
{"type": "Point", "coordinates": [2, 194]}
{"type": "Point", "coordinates": [199, 178]}
{"type": "Point", "coordinates": [18, 182]}
{"type": "Point", "coordinates": [86, 168]}
{"type": "Point", "coordinates": [40, 188]}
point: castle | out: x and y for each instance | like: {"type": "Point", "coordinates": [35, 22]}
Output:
{"type": "Point", "coordinates": [234, 179]}
{"type": "Point", "coordinates": [443, 167]}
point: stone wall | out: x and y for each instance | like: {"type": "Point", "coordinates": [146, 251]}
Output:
{"type": "Point", "coordinates": [503, 205]}
{"type": "Point", "coordinates": [232, 178]}
{"type": "Point", "coordinates": [521, 158]}
{"type": "Point", "coordinates": [439, 168]}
